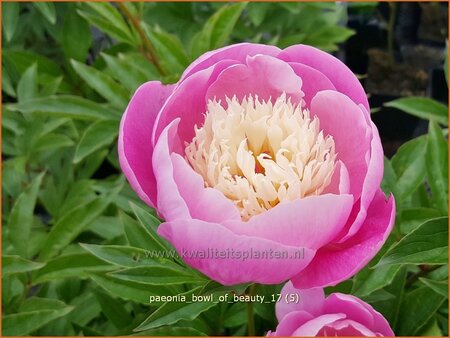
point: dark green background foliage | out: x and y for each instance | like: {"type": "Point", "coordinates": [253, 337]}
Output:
{"type": "Point", "coordinates": [75, 234]}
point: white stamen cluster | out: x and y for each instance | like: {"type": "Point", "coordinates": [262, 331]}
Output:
{"type": "Point", "coordinates": [259, 154]}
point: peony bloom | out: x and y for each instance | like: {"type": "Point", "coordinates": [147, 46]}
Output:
{"type": "Point", "coordinates": [337, 315]}
{"type": "Point", "coordinates": [256, 155]}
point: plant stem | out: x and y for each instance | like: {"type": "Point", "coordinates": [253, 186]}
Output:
{"type": "Point", "coordinates": [148, 50]}
{"type": "Point", "coordinates": [390, 29]}
{"type": "Point", "coordinates": [250, 315]}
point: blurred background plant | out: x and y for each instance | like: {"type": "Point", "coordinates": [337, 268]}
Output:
{"type": "Point", "coordinates": [68, 71]}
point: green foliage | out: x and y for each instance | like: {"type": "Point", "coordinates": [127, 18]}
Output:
{"type": "Point", "coordinates": [418, 176]}
{"type": "Point", "coordinates": [422, 107]}
{"type": "Point", "coordinates": [80, 250]}
{"type": "Point", "coordinates": [426, 244]}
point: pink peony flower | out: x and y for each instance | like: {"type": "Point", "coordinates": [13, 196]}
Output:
{"type": "Point", "coordinates": [337, 315]}
{"type": "Point", "coordinates": [264, 164]}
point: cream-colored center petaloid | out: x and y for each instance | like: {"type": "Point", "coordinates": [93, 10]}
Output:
{"type": "Point", "coordinates": [259, 154]}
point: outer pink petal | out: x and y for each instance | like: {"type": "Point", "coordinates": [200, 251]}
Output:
{"type": "Point", "coordinates": [340, 75]}
{"type": "Point", "coordinates": [291, 322]}
{"type": "Point", "coordinates": [313, 327]}
{"type": "Point", "coordinates": [135, 134]}
{"type": "Point", "coordinates": [313, 81]}
{"type": "Point", "coordinates": [188, 102]}
{"type": "Point", "coordinates": [237, 52]}
{"type": "Point", "coordinates": [379, 323]}
{"type": "Point", "coordinates": [170, 203]}
{"type": "Point", "coordinates": [310, 300]}
{"type": "Point", "coordinates": [335, 263]}
{"type": "Point", "coordinates": [371, 184]}
{"type": "Point", "coordinates": [198, 238]}
{"type": "Point", "coordinates": [207, 204]}
{"type": "Point", "coordinates": [347, 328]}
{"type": "Point", "coordinates": [308, 222]}
{"type": "Point", "coordinates": [353, 309]}
{"type": "Point", "coordinates": [262, 75]}
{"type": "Point", "coordinates": [341, 118]}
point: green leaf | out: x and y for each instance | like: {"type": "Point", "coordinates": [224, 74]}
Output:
{"type": "Point", "coordinates": [169, 49]}
{"type": "Point", "coordinates": [262, 310]}
{"type": "Point", "coordinates": [47, 9]}
{"type": "Point", "coordinates": [258, 11]}
{"type": "Point", "coordinates": [326, 37]}
{"type": "Point", "coordinates": [66, 106]}
{"type": "Point", "coordinates": [417, 308]}
{"type": "Point", "coordinates": [126, 72]}
{"type": "Point", "coordinates": [410, 167]}
{"type": "Point", "coordinates": [292, 7]}
{"type": "Point", "coordinates": [138, 235]}
{"type": "Point", "coordinates": [76, 37]}
{"type": "Point", "coordinates": [379, 295]}
{"type": "Point", "coordinates": [236, 315]}
{"type": "Point", "coordinates": [20, 60]}
{"type": "Point", "coordinates": [7, 85]}
{"type": "Point", "coordinates": [10, 18]}
{"type": "Point", "coordinates": [113, 310]}
{"type": "Point", "coordinates": [389, 178]}
{"type": "Point", "coordinates": [17, 264]}
{"type": "Point", "coordinates": [123, 256]}
{"type": "Point", "coordinates": [151, 224]}
{"type": "Point", "coordinates": [431, 330]}
{"type": "Point", "coordinates": [21, 217]}
{"type": "Point", "coordinates": [107, 227]}
{"type": "Point", "coordinates": [38, 303]}
{"type": "Point", "coordinates": [52, 86]}
{"type": "Point", "coordinates": [35, 313]}
{"type": "Point", "coordinates": [422, 107]}
{"type": "Point", "coordinates": [86, 308]}
{"type": "Point", "coordinates": [390, 307]}
{"type": "Point", "coordinates": [217, 30]}
{"type": "Point", "coordinates": [69, 226]}
{"type": "Point", "coordinates": [102, 84]}
{"type": "Point", "coordinates": [52, 141]}
{"type": "Point", "coordinates": [440, 273]}
{"type": "Point", "coordinates": [159, 274]}
{"type": "Point", "coordinates": [27, 88]}
{"type": "Point", "coordinates": [216, 288]}
{"type": "Point", "coordinates": [79, 194]}
{"type": "Point", "coordinates": [412, 217]}
{"type": "Point", "coordinates": [437, 166]}
{"type": "Point", "coordinates": [98, 135]}
{"type": "Point", "coordinates": [70, 266]}
{"type": "Point", "coordinates": [168, 331]}
{"type": "Point", "coordinates": [371, 280]}
{"type": "Point", "coordinates": [427, 244]}
{"type": "Point", "coordinates": [108, 19]}
{"type": "Point", "coordinates": [440, 287]}
{"type": "Point", "coordinates": [222, 24]}
{"type": "Point", "coordinates": [127, 290]}
{"type": "Point", "coordinates": [140, 62]}
{"type": "Point", "coordinates": [172, 312]}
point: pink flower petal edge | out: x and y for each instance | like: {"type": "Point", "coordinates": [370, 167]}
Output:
{"type": "Point", "coordinates": [315, 315]}
{"type": "Point", "coordinates": [193, 239]}
{"type": "Point", "coordinates": [339, 74]}
{"type": "Point", "coordinates": [135, 133]}
{"type": "Point", "coordinates": [337, 262]}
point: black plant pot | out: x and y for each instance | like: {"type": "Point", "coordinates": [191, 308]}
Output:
{"type": "Point", "coordinates": [395, 126]}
